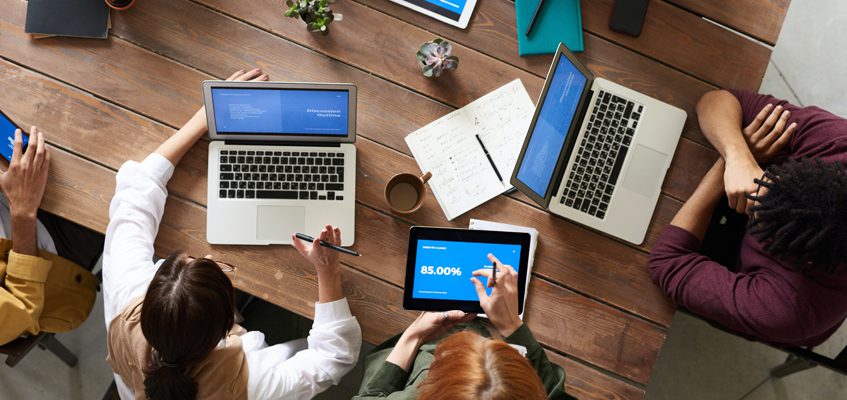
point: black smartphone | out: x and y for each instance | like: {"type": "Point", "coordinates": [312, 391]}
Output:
{"type": "Point", "coordinates": [7, 135]}
{"type": "Point", "coordinates": [628, 16]}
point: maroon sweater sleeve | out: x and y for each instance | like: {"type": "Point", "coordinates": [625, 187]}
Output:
{"type": "Point", "coordinates": [758, 304]}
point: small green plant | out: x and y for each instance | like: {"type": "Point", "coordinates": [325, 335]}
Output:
{"type": "Point", "coordinates": [435, 58]}
{"type": "Point", "coordinates": [315, 13]}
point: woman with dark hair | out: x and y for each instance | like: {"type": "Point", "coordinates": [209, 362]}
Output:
{"type": "Point", "coordinates": [451, 355]}
{"type": "Point", "coordinates": [171, 325]}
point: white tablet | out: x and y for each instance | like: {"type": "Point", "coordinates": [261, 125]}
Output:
{"type": "Point", "coordinates": [453, 12]}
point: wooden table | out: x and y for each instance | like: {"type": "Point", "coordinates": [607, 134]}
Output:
{"type": "Point", "coordinates": [591, 304]}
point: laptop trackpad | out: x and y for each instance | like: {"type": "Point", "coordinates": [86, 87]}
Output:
{"type": "Point", "coordinates": [278, 223]}
{"type": "Point", "coordinates": [645, 171]}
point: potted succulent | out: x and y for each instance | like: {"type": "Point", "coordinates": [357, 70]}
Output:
{"type": "Point", "coordinates": [315, 13]}
{"type": "Point", "coordinates": [435, 58]}
{"type": "Point", "coordinates": [120, 5]}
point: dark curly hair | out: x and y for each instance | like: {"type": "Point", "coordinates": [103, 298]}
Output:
{"type": "Point", "coordinates": [803, 216]}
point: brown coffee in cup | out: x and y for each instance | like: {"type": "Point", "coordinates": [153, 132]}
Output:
{"type": "Point", "coordinates": [405, 192]}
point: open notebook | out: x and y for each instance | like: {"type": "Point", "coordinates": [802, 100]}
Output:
{"type": "Point", "coordinates": [462, 175]}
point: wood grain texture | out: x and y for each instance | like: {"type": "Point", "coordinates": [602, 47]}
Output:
{"type": "Point", "coordinates": [119, 98]}
{"type": "Point", "coordinates": [582, 381]}
{"type": "Point", "coordinates": [629, 357]}
{"type": "Point", "coordinates": [685, 41]}
{"type": "Point", "coordinates": [761, 19]}
{"type": "Point", "coordinates": [588, 383]}
{"type": "Point", "coordinates": [627, 281]}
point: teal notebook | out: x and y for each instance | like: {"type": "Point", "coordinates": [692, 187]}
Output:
{"type": "Point", "coordinates": [558, 21]}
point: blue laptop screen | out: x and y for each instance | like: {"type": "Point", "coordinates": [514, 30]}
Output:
{"type": "Point", "coordinates": [547, 137]}
{"type": "Point", "coordinates": [281, 111]}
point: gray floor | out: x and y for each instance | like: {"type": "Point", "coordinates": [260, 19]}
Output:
{"type": "Point", "coordinates": [697, 362]}
{"type": "Point", "coordinates": [701, 362]}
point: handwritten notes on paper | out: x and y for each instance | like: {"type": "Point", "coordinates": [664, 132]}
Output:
{"type": "Point", "coordinates": [462, 176]}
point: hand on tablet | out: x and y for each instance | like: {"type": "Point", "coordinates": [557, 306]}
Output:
{"type": "Point", "coordinates": [501, 306]}
{"type": "Point", "coordinates": [427, 327]}
{"type": "Point", "coordinates": [430, 325]}
{"type": "Point", "coordinates": [24, 181]}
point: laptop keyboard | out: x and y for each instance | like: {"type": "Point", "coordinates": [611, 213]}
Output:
{"type": "Point", "coordinates": [600, 156]}
{"type": "Point", "coordinates": [292, 175]}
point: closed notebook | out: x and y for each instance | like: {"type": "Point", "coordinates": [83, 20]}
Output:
{"type": "Point", "coordinates": [558, 21]}
{"type": "Point", "coordinates": [79, 18]}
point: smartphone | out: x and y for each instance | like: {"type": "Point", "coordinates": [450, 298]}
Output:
{"type": "Point", "coordinates": [628, 16]}
{"type": "Point", "coordinates": [7, 135]}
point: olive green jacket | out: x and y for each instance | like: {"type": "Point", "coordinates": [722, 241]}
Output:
{"type": "Point", "coordinates": [383, 379]}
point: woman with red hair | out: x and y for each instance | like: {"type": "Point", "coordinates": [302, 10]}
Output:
{"type": "Point", "coordinates": [450, 355]}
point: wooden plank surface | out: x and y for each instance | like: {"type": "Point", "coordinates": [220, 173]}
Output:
{"type": "Point", "coordinates": [761, 19]}
{"type": "Point", "coordinates": [632, 357]}
{"type": "Point", "coordinates": [634, 292]}
{"type": "Point", "coordinates": [591, 298]}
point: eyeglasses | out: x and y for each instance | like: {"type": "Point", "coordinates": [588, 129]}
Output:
{"type": "Point", "coordinates": [222, 265]}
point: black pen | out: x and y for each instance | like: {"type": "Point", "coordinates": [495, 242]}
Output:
{"type": "Point", "coordinates": [534, 17]}
{"type": "Point", "coordinates": [491, 160]}
{"type": "Point", "coordinates": [326, 244]}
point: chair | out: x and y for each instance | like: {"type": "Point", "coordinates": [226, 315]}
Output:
{"type": "Point", "coordinates": [20, 347]}
{"type": "Point", "coordinates": [799, 358]}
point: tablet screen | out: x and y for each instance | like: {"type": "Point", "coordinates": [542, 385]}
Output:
{"type": "Point", "coordinates": [444, 268]}
{"type": "Point", "coordinates": [441, 261]}
{"type": "Point", "coordinates": [449, 8]}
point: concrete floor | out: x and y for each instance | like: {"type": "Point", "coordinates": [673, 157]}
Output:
{"type": "Point", "coordinates": [701, 362]}
{"type": "Point", "coordinates": [697, 362]}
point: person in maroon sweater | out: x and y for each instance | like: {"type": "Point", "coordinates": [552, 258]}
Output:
{"type": "Point", "coordinates": [784, 281]}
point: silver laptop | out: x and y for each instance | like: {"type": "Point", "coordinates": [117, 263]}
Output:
{"type": "Point", "coordinates": [281, 160]}
{"type": "Point", "coordinates": [596, 152]}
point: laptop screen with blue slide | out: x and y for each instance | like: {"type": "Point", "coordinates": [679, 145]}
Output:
{"type": "Point", "coordinates": [275, 111]}
{"type": "Point", "coordinates": [547, 137]}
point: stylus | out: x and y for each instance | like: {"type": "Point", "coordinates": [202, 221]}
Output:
{"type": "Point", "coordinates": [534, 17]}
{"type": "Point", "coordinates": [326, 244]}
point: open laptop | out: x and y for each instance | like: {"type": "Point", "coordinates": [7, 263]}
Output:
{"type": "Point", "coordinates": [281, 160]}
{"type": "Point", "coordinates": [596, 152]}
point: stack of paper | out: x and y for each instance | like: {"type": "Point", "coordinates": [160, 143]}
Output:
{"type": "Point", "coordinates": [462, 175]}
{"type": "Point", "coordinates": [481, 225]}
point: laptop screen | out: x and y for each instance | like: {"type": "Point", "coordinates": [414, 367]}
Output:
{"type": "Point", "coordinates": [547, 136]}
{"type": "Point", "coordinates": [275, 111]}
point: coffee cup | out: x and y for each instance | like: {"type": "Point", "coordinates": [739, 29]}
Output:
{"type": "Point", "coordinates": [405, 192]}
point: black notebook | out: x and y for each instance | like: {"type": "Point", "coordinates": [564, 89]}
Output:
{"type": "Point", "coordinates": [80, 18]}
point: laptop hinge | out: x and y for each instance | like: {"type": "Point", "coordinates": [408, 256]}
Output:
{"type": "Point", "coordinates": [272, 143]}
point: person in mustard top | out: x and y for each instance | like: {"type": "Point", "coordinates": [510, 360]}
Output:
{"type": "Point", "coordinates": [41, 291]}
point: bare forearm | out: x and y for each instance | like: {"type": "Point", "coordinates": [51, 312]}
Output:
{"type": "Point", "coordinates": [177, 145]}
{"type": "Point", "coordinates": [695, 214]}
{"type": "Point", "coordinates": [329, 286]}
{"type": "Point", "coordinates": [720, 116]}
{"type": "Point", "coordinates": [23, 233]}
{"type": "Point", "coordinates": [404, 352]}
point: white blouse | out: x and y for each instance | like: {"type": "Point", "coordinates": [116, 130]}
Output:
{"type": "Point", "coordinates": [299, 369]}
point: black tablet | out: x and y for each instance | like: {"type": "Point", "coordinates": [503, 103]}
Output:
{"type": "Point", "coordinates": [440, 263]}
